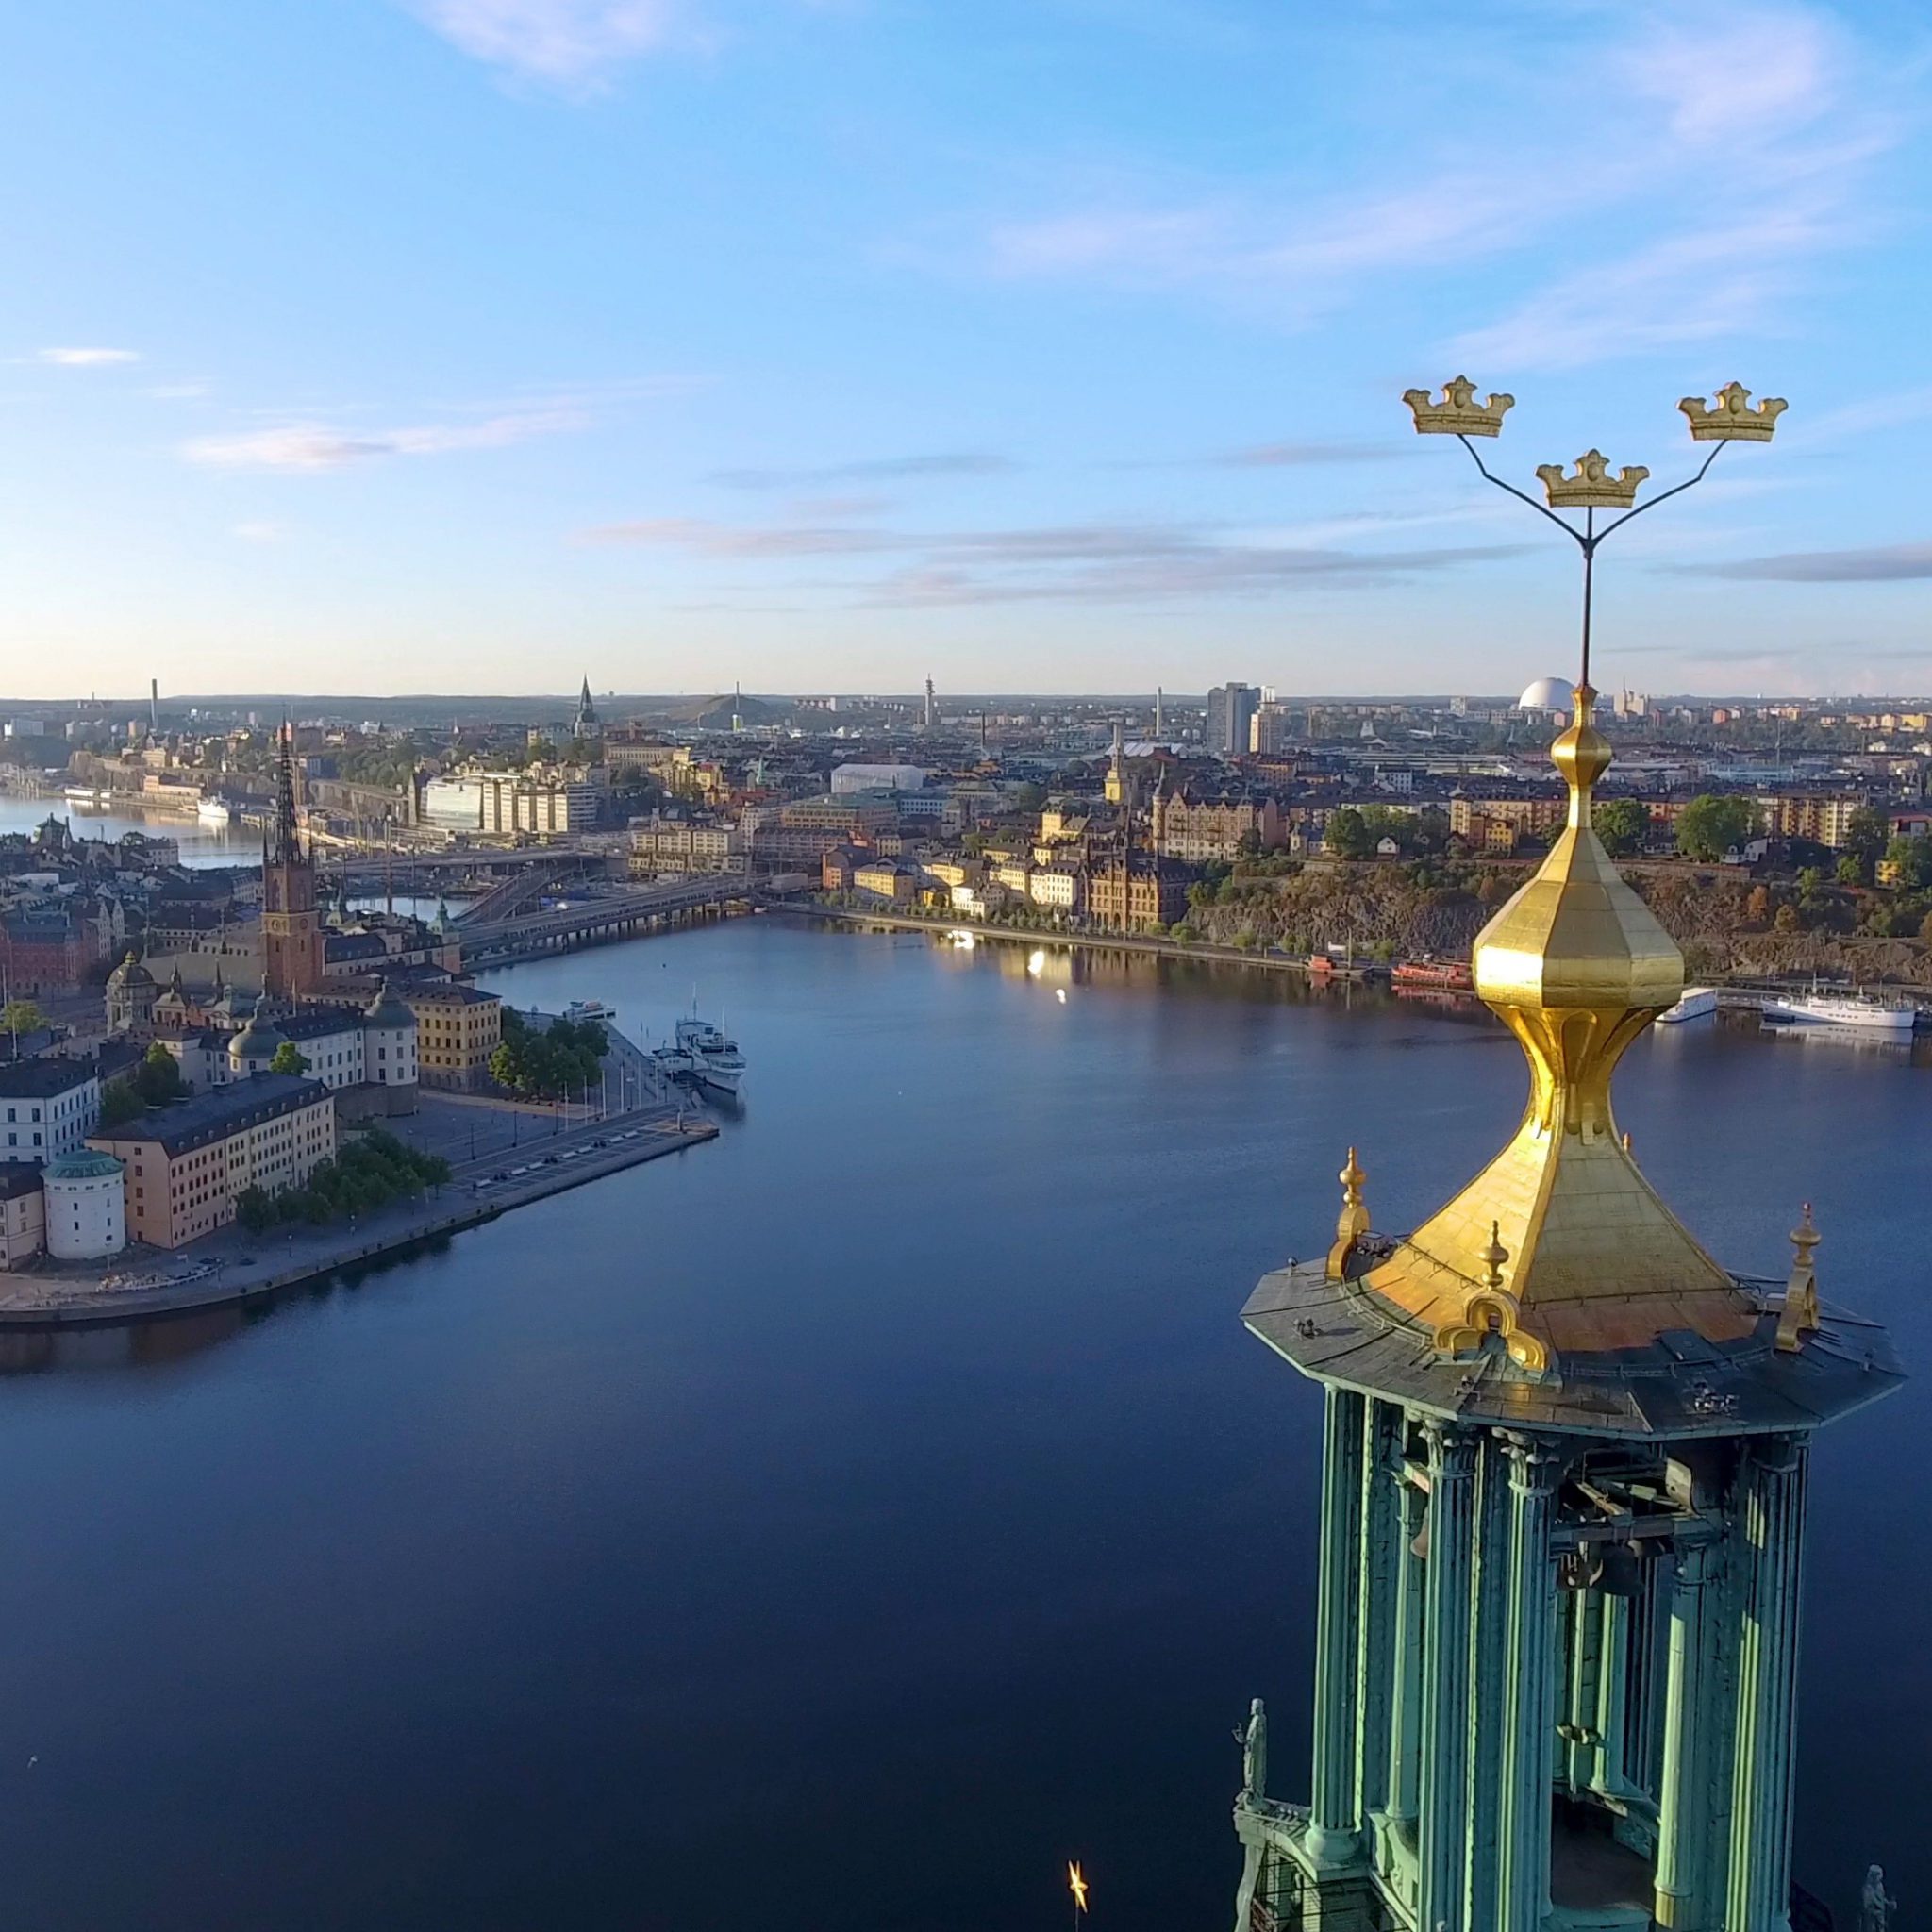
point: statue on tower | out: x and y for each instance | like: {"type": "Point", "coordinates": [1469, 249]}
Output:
{"type": "Point", "coordinates": [1253, 1738]}
{"type": "Point", "coordinates": [1876, 1905]}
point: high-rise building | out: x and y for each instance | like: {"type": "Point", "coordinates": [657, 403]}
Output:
{"type": "Point", "coordinates": [292, 935]}
{"type": "Point", "coordinates": [1232, 710]}
{"type": "Point", "coordinates": [1562, 1501]}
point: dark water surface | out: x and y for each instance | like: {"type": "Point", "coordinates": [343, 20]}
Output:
{"type": "Point", "coordinates": [841, 1525]}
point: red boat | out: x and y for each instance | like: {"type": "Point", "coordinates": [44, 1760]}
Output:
{"type": "Point", "coordinates": [1451, 975]}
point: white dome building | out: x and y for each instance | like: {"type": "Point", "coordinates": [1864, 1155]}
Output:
{"type": "Point", "coordinates": [87, 1205]}
{"type": "Point", "coordinates": [1548, 694]}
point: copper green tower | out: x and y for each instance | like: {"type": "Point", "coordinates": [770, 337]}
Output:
{"type": "Point", "coordinates": [1562, 1501]}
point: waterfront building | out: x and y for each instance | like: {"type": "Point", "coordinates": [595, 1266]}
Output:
{"type": "Point", "coordinates": [23, 1213]}
{"type": "Point", "coordinates": [1137, 892]}
{"type": "Point", "coordinates": [292, 935]}
{"type": "Point", "coordinates": [458, 1028]}
{"type": "Point", "coordinates": [1562, 1501]}
{"type": "Point", "coordinates": [48, 1105]}
{"type": "Point", "coordinates": [185, 1164]}
{"type": "Point", "coordinates": [890, 879]}
{"type": "Point", "coordinates": [85, 1205]}
{"type": "Point", "coordinates": [1059, 889]}
{"type": "Point", "coordinates": [659, 845]}
{"type": "Point", "coordinates": [546, 800]}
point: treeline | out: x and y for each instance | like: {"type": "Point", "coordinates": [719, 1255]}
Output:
{"type": "Point", "coordinates": [548, 1062]}
{"type": "Point", "coordinates": [365, 1174]}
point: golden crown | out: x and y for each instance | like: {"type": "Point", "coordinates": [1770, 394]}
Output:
{"type": "Point", "coordinates": [1734, 420]}
{"type": "Point", "coordinates": [1593, 486]}
{"type": "Point", "coordinates": [1458, 413]}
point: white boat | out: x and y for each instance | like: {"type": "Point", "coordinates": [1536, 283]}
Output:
{"type": "Point", "coordinates": [589, 1009]}
{"type": "Point", "coordinates": [719, 1062]}
{"type": "Point", "coordinates": [213, 812]}
{"type": "Point", "coordinates": [1698, 1002]}
{"type": "Point", "coordinates": [85, 794]}
{"type": "Point", "coordinates": [960, 939]}
{"type": "Point", "coordinates": [675, 1064]}
{"type": "Point", "coordinates": [1842, 1009]}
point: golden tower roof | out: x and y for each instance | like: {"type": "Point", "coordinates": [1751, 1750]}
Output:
{"type": "Point", "coordinates": [1560, 1243]}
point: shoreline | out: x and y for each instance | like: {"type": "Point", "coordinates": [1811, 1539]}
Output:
{"type": "Point", "coordinates": [261, 1280]}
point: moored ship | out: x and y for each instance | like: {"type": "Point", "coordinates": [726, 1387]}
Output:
{"type": "Point", "coordinates": [1697, 1004]}
{"type": "Point", "coordinates": [717, 1060]}
{"type": "Point", "coordinates": [1842, 1009]}
{"type": "Point", "coordinates": [1437, 976]}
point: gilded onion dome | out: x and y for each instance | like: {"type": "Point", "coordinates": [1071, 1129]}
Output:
{"type": "Point", "coordinates": [1560, 1244]}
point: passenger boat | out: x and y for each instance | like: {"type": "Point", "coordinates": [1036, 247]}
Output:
{"type": "Point", "coordinates": [675, 1064]}
{"type": "Point", "coordinates": [589, 1009]}
{"type": "Point", "coordinates": [1842, 1009]}
{"type": "Point", "coordinates": [719, 1063]}
{"type": "Point", "coordinates": [1440, 976]}
{"type": "Point", "coordinates": [213, 812]}
{"type": "Point", "coordinates": [1697, 1003]}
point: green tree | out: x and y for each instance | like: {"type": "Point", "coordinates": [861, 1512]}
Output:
{"type": "Point", "coordinates": [20, 1016]}
{"type": "Point", "coordinates": [157, 1079]}
{"type": "Point", "coordinates": [1711, 825]}
{"type": "Point", "coordinates": [1910, 860]}
{"type": "Point", "coordinates": [289, 1058]}
{"type": "Point", "coordinates": [1347, 834]}
{"type": "Point", "coordinates": [120, 1103]}
{"type": "Point", "coordinates": [1865, 839]}
{"type": "Point", "coordinates": [1623, 825]}
{"type": "Point", "coordinates": [1850, 870]}
{"type": "Point", "coordinates": [254, 1209]}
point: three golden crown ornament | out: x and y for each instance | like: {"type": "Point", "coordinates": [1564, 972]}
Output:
{"type": "Point", "coordinates": [1593, 486]}
{"type": "Point", "coordinates": [1734, 420]}
{"type": "Point", "coordinates": [1458, 413]}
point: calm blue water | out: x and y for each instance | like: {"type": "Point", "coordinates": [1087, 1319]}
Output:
{"type": "Point", "coordinates": [843, 1525]}
{"type": "Point", "coordinates": [231, 844]}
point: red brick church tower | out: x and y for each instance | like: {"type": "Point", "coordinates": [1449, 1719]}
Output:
{"type": "Point", "coordinates": [291, 938]}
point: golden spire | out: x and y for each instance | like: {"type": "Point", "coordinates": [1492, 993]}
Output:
{"type": "Point", "coordinates": [1590, 1259]}
{"type": "Point", "coordinates": [1799, 1316]}
{"type": "Point", "coordinates": [1352, 1221]}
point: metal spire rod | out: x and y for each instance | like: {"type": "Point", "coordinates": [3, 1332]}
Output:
{"type": "Point", "coordinates": [1589, 536]}
{"type": "Point", "coordinates": [1459, 414]}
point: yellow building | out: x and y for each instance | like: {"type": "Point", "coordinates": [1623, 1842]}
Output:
{"type": "Point", "coordinates": [458, 1028]}
{"type": "Point", "coordinates": [185, 1164]}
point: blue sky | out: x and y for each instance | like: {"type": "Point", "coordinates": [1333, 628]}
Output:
{"type": "Point", "coordinates": [1035, 344]}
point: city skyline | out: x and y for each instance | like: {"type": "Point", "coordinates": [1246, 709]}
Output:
{"type": "Point", "coordinates": [821, 346]}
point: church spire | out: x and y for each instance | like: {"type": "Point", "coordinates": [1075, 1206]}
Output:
{"type": "Point", "coordinates": [287, 847]}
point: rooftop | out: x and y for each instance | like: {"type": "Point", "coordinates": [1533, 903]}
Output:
{"type": "Point", "coordinates": [43, 1077]}
{"type": "Point", "coordinates": [210, 1117]}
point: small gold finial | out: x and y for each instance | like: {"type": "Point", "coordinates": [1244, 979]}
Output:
{"type": "Point", "coordinates": [1494, 1257]}
{"type": "Point", "coordinates": [1593, 486]}
{"type": "Point", "coordinates": [1799, 1316]}
{"type": "Point", "coordinates": [1627, 1139]}
{"type": "Point", "coordinates": [1733, 419]}
{"type": "Point", "coordinates": [1458, 413]}
{"type": "Point", "coordinates": [1352, 1221]}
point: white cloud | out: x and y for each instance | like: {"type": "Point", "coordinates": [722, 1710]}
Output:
{"type": "Point", "coordinates": [564, 43]}
{"type": "Point", "coordinates": [1701, 159]}
{"type": "Point", "coordinates": [322, 446]}
{"type": "Point", "coordinates": [259, 530]}
{"type": "Point", "coordinates": [88, 359]}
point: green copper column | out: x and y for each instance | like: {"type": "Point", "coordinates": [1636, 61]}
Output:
{"type": "Point", "coordinates": [1771, 1530]}
{"type": "Point", "coordinates": [1684, 1796]}
{"type": "Point", "coordinates": [1375, 1648]}
{"type": "Point", "coordinates": [1406, 1709]}
{"type": "Point", "coordinates": [1489, 1665]}
{"type": "Point", "coordinates": [1529, 1689]}
{"type": "Point", "coordinates": [1334, 1819]}
{"type": "Point", "coordinates": [1444, 1791]}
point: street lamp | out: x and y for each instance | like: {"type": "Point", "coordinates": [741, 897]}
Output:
{"type": "Point", "coordinates": [1592, 487]}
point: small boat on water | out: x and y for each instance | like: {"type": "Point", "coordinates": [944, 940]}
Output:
{"type": "Point", "coordinates": [1697, 1004]}
{"type": "Point", "coordinates": [719, 1063]}
{"type": "Point", "coordinates": [1438, 975]}
{"type": "Point", "coordinates": [1893, 1016]}
{"type": "Point", "coordinates": [589, 1009]}
{"type": "Point", "coordinates": [85, 794]}
{"type": "Point", "coordinates": [961, 939]}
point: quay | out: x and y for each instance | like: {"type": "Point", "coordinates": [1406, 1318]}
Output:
{"type": "Point", "coordinates": [238, 1266]}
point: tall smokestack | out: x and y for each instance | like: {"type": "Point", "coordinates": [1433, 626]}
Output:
{"type": "Point", "coordinates": [1157, 710]}
{"type": "Point", "coordinates": [153, 706]}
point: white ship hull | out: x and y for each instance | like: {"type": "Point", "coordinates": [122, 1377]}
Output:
{"type": "Point", "coordinates": [1830, 1009]}
{"type": "Point", "coordinates": [1698, 1002]}
{"type": "Point", "coordinates": [212, 811]}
